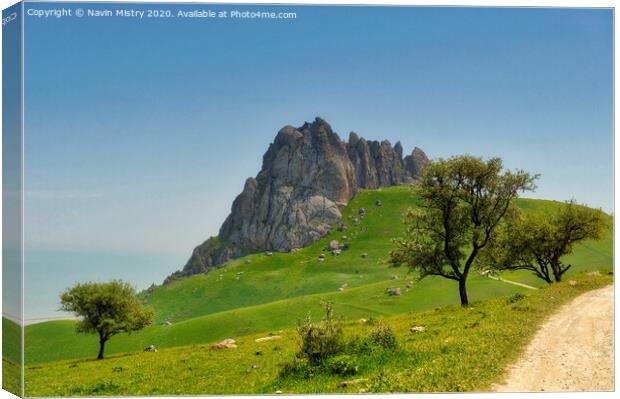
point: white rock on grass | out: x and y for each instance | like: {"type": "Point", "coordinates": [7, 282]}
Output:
{"type": "Point", "coordinates": [269, 338]}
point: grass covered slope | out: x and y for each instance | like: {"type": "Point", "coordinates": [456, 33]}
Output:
{"type": "Point", "coordinates": [11, 356]}
{"type": "Point", "coordinates": [461, 349]}
{"type": "Point", "coordinates": [11, 340]}
{"type": "Point", "coordinates": [274, 292]}
{"type": "Point", "coordinates": [289, 275]}
{"type": "Point", "coordinates": [57, 340]}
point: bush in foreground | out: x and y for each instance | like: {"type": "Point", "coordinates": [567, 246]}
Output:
{"type": "Point", "coordinates": [323, 349]}
{"type": "Point", "coordinates": [318, 341]}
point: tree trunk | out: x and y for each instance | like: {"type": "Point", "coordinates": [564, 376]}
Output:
{"type": "Point", "coordinates": [463, 291]}
{"type": "Point", "coordinates": [557, 273]}
{"type": "Point", "coordinates": [101, 346]}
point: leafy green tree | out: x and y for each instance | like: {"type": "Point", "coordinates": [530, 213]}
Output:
{"type": "Point", "coordinates": [106, 309]}
{"type": "Point", "coordinates": [463, 200]}
{"type": "Point", "coordinates": [537, 242]}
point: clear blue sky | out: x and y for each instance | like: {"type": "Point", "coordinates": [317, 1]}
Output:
{"type": "Point", "coordinates": [139, 134]}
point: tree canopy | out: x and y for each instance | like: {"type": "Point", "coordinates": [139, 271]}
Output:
{"type": "Point", "coordinates": [106, 309]}
{"type": "Point", "coordinates": [537, 242]}
{"type": "Point", "coordinates": [463, 201]}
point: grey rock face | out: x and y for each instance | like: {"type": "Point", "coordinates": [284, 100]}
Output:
{"type": "Point", "coordinates": [297, 196]}
{"type": "Point", "coordinates": [308, 175]}
{"type": "Point", "coordinates": [415, 162]}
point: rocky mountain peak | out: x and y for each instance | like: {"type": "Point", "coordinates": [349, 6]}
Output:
{"type": "Point", "coordinates": [308, 175]}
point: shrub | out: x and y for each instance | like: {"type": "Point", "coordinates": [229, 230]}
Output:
{"type": "Point", "coordinates": [298, 368]}
{"type": "Point", "coordinates": [516, 298]}
{"type": "Point", "coordinates": [343, 365]}
{"type": "Point", "coordinates": [383, 337]}
{"type": "Point", "coordinates": [318, 341]}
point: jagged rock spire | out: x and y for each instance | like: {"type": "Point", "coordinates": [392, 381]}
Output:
{"type": "Point", "coordinates": [308, 175]}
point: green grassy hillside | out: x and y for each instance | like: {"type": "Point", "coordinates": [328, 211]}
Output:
{"type": "Point", "coordinates": [289, 275]}
{"type": "Point", "coordinates": [461, 349]}
{"type": "Point", "coordinates": [57, 340]}
{"type": "Point", "coordinates": [11, 356]}
{"type": "Point", "coordinates": [283, 276]}
{"type": "Point", "coordinates": [11, 340]}
{"type": "Point", "coordinates": [274, 292]}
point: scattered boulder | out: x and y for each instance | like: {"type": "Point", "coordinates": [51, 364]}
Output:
{"type": "Point", "coordinates": [333, 244]}
{"type": "Point", "coordinates": [344, 238]}
{"type": "Point", "coordinates": [410, 285]}
{"type": "Point", "coordinates": [362, 212]}
{"type": "Point", "coordinates": [394, 278]}
{"type": "Point", "coordinates": [293, 250]}
{"type": "Point", "coordinates": [268, 253]}
{"type": "Point", "coordinates": [394, 292]}
{"type": "Point", "coordinates": [336, 252]}
{"type": "Point", "coordinates": [362, 321]}
{"type": "Point", "coordinates": [150, 348]}
{"type": "Point", "coordinates": [364, 255]}
{"type": "Point", "coordinates": [225, 344]}
{"type": "Point", "coordinates": [342, 227]}
{"type": "Point", "coordinates": [269, 338]}
{"type": "Point", "coordinates": [341, 289]}
{"type": "Point", "coordinates": [321, 259]}
{"type": "Point", "coordinates": [255, 366]}
{"type": "Point", "coordinates": [378, 203]}
{"type": "Point", "coordinates": [356, 221]}
{"type": "Point", "coordinates": [167, 323]}
{"type": "Point", "coordinates": [417, 329]}
{"type": "Point", "coordinates": [247, 261]}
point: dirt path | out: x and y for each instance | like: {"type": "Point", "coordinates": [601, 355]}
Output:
{"type": "Point", "coordinates": [573, 351]}
{"type": "Point", "coordinates": [512, 282]}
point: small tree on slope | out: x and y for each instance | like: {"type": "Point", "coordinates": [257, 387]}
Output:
{"type": "Point", "coordinates": [106, 309]}
{"type": "Point", "coordinates": [537, 242]}
{"type": "Point", "coordinates": [463, 201]}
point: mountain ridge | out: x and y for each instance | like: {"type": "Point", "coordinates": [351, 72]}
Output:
{"type": "Point", "coordinates": [308, 174]}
